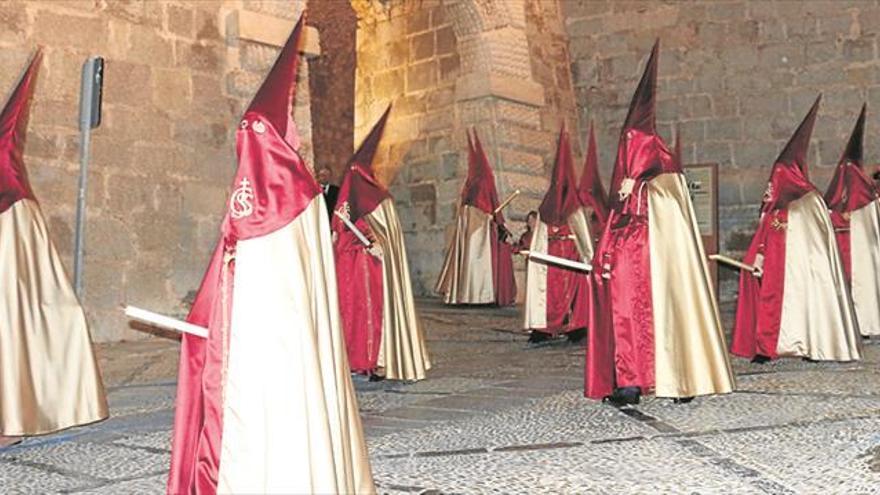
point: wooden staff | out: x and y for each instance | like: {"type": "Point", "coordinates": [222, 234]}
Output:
{"type": "Point", "coordinates": [354, 230]}
{"type": "Point", "coordinates": [556, 260]}
{"type": "Point", "coordinates": [506, 202]}
{"type": "Point", "coordinates": [165, 322]}
{"type": "Point", "coordinates": [735, 263]}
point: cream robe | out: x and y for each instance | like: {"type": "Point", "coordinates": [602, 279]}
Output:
{"type": "Point", "coordinates": [864, 236]}
{"type": "Point", "coordinates": [467, 276]}
{"type": "Point", "coordinates": [818, 320]}
{"type": "Point", "coordinates": [689, 348]}
{"type": "Point", "coordinates": [290, 415]}
{"type": "Point", "coordinates": [49, 378]}
{"type": "Point", "coordinates": [535, 311]}
{"type": "Point", "coordinates": [403, 353]}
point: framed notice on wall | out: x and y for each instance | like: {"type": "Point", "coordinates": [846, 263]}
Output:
{"type": "Point", "coordinates": [702, 180]}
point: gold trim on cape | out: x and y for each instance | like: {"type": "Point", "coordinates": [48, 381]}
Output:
{"type": "Point", "coordinates": [818, 320]}
{"type": "Point", "coordinates": [467, 276]}
{"type": "Point", "coordinates": [864, 228]}
{"type": "Point", "coordinates": [404, 355]}
{"type": "Point", "coordinates": [690, 351]}
{"type": "Point", "coordinates": [49, 377]}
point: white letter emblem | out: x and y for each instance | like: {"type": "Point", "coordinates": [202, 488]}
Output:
{"type": "Point", "coordinates": [240, 203]}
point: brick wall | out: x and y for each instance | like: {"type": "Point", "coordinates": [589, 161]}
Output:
{"type": "Point", "coordinates": [176, 80]}
{"type": "Point", "coordinates": [737, 77]}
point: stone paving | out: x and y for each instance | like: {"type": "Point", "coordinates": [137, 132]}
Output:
{"type": "Point", "coordinates": [497, 415]}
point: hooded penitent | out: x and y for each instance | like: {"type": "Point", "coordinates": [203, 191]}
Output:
{"type": "Point", "coordinates": [853, 200]}
{"type": "Point", "coordinates": [799, 306]}
{"type": "Point", "coordinates": [654, 320]}
{"type": "Point", "coordinates": [479, 265]}
{"type": "Point", "coordinates": [49, 378]}
{"type": "Point", "coordinates": [590, 190]}
{"type": "Point", "coordinates": [265, 404]}
{"type": "Point", "coordinates": [556, 300]}
{"type": "Point", "coordinates": [383, 331]}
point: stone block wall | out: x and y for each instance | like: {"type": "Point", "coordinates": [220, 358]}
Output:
{"type": "Point", "coordinates": [736, 77]}
{"type": "Point", "coordinates": [177, 77]}
{"type": "Point", "coordinates": [500, 66]}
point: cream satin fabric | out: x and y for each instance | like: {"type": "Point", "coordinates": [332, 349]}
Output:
{"type": "Point", "coordinates": [467, 272]}
{"type": "Point", "coordinates": [818, 321]}
{"type": "Point", "coordinates": [290, 416]}
{"type": "Point", "coordinates": [864, 235]}
{"type": "Point", "coordinates": [690, 351]}
{"type": "Point", "coordinates": [535, 310]}
{"type": "Point", "coordinates": [403, 352]}
{"type": "Point", "coordinates": [49, 378]}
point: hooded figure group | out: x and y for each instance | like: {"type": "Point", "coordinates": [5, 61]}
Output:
{"type": "Point", "coordinates": [478, 268]}
{"type": "Point", "coordinates": [797, 302]}
{"type": "Point", "coordinates": [854, 203]}
{"type": "Point", "coordinates": [49, 378]}
{"type": "Point", "coordinates": [383, 332]}
{"type": "Point", "coordinates": [265, 403]}
{"type": "Point", "coordinates": [653, 318]}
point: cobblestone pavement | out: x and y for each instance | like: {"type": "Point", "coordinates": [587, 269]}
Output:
{"type": "Point", "coordinates": [499, 416]}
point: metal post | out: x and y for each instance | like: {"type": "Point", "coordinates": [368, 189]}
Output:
{"type": "Point", "coordinates": [89, 118]}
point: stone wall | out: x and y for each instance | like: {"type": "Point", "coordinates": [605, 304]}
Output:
{"type": "Point", "coordinates": [498, 65]}
{"type": "Point", "coordinates": [737, 77]}
{"type": "Point", "coordinates": [177, 77]}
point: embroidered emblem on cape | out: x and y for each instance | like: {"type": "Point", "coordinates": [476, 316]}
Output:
{"type": "Point", "coordinates": [259, 127]}
{"type": "Point", "coordinates": [240, 205]}
{"type": "Point", "coordinates": [345, 210]}
{"type": "Point", "coordinates": [243, 125]}
{"type": "Point", "coordinates": [777, 224]}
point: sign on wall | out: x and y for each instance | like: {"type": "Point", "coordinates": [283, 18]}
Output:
{"type": "Point", "coordinates": [702, 181]}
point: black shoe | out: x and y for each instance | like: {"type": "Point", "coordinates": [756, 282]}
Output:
{"type": "Point", "coordinates": [810, 360]}
{"type": "Point", "coordinates": [536, 337]}
{"type": "Point", "coordinates": [759, 359]}
{"type": "Point", "coordinates": [376, 378]}
{"type": "Point", "coordinates": [682, 400]}
{"type": "Point", "coordinates": [623, 396]}
{"type": "Point", "coordinates": [576, 336]}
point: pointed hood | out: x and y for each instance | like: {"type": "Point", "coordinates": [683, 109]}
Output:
{"type": "Point", "coordinates": [367, 150]}
{"type": "Point", "coordinates": [641, 115]}
{"type": "Point", "coordinates": [562, 198]}
{"type": "Point", "coordinates": [14, 184]}
{"type": "Point", "coordinates": [788, 178]}
{"type": "Point", "coordinates": [795, 151]}
{"type": "Point", "coordinates": [273, 185]}
{"type": "Point", "coordinates": [479, 187]}
{"type": "Point", "coordinates": [590, 190]}
{"type": "Point", "coordinates": [641, 152]}
{"type": "Point", "coordinates": [851, 188]}
{"type": "Point", "coordinates": [360, 192]}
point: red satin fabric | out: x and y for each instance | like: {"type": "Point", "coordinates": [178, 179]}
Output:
{"type": "Point", "coordinates": [502, 271]}
{"type": "Point", "coordinates": [361, 298]}
{"type": "Point", "coordinates": [567, 302]}
{"type": "Point", "coordinates": [359, 273]}
{"type": "Point", "coordinates": [198, 418]}
{"type": "Point", "coordinates": [14, 184]}
{"type": "Point", "coordinates": [759, 305]}
{"type": "Point", "coordinates": [850, 189]}
{"type": "Point", "coordinates": [561, 199]}
{"type": "Point", "coordinates": [479, 187]}
{"type": "Point", "coordinates": [590, 189]}
{"type": "Point", "coordinates": [620, 346]}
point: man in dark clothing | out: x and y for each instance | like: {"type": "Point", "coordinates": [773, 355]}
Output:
{"type": "Point", "coordinates": [330, 191]}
